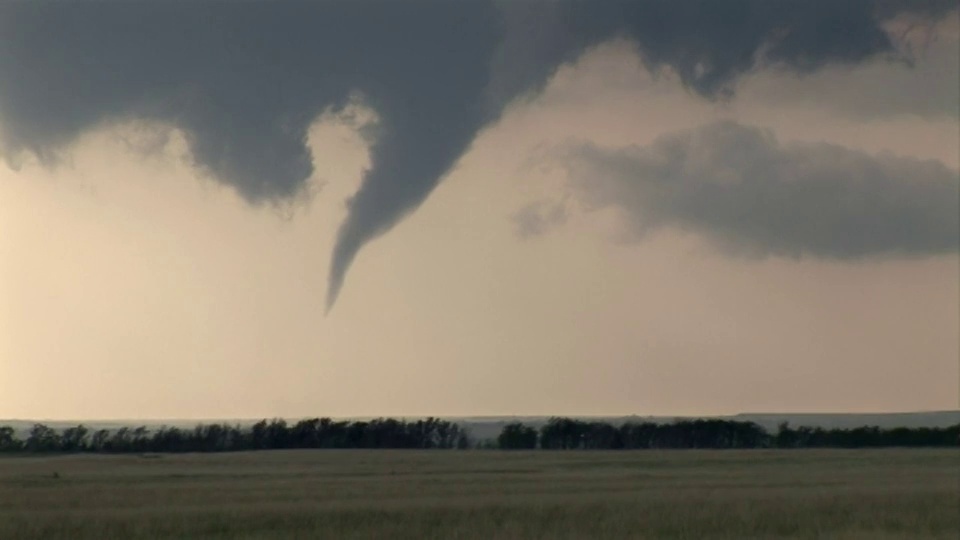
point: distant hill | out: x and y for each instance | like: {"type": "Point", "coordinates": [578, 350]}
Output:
{"type": "Point", "coordinates": [488, 427]}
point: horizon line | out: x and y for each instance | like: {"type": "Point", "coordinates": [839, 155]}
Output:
{"type": "Point", "coordinates": [492, 417]}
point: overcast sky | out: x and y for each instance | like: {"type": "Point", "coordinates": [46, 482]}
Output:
{"type": "Point", "coordinates": [468, 208]}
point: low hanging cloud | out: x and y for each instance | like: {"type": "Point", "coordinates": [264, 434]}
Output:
{"type": "Point", "coordinates": [243, 81]}
{"type": "Point", "coordinates": [740, 187]}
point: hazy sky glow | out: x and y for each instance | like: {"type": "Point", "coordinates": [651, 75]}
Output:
{"type": "Point", "coordinates": [637, 226]}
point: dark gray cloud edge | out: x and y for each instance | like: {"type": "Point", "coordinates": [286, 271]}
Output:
{"type": "Point", "coordinates": [244, 80]}
{"type": "Point", "coordinates": [740, 187]}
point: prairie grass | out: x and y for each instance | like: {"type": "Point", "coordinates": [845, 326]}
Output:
{"type": "Point", "coordinates": [852, 494]}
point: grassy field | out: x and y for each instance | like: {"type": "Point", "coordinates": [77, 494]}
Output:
{"type": "Point", "coordinates": [864, 494]}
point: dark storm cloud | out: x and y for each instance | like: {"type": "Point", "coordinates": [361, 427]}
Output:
{"type": "Point", "coordinates": [244, 80]}
{"type": "Point", "coordinates": [739, 186]}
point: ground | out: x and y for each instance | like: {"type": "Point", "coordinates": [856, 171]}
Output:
{"type": "Point", "coordinates": [855, 494]}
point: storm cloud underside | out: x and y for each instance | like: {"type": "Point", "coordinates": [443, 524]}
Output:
{"type": "Point", "coordinates": [244, 81]}
{"type": "Point", "coordinates": [753, 195]}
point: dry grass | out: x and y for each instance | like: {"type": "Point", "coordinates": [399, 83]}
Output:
{"type": "Point", "coordinates": [475, 494]}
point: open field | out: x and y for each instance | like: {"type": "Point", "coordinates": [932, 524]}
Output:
{"type": "Point", "coordinates": [889, 493]}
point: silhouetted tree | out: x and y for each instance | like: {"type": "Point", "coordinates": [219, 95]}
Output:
{"type": "Point", "coordinates": [99, 440]}
{"type": "Point", "coordinates": [786, 437]}
{"type": "Point", "coordinates": [42, 438]}
{"type": "Point", "coordinates": [600, 436]}
{"type": "Point", "coordinates": [433, 433]}
{"type": "Point", "coordinates": [74, 439]}
{"type": "Point", "coordinates": [306, 433]}
{"type": "Point", "coordinates": [277, 433]}
{"type": "Point", "coordinates": [8, 440]}
{"type": "Point", "coordinates": [562, 434]}
{"type": "Point", "coordinates": [515, 436]}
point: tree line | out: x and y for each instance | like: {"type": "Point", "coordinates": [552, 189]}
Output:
{"type": "Point", "coordinates": [571, 434]}
{"type": "Point", "coordinates": [432, 433]}
{"type": "Point", "coordinates": [263, 435]}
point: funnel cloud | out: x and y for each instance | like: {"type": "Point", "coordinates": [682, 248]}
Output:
{"type": "Point", "coordinates": [243, 81]}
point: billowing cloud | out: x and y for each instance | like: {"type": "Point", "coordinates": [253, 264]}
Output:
{"type": "Point", "coordinates": [878, 89]}
{"type": "Point", "coordinates": [244, 80]}
{"type": "Point", "coordinates": [740, 187]}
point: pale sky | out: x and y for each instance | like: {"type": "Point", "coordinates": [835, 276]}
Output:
{"type": "Point", "coordinates": [556, 268]}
